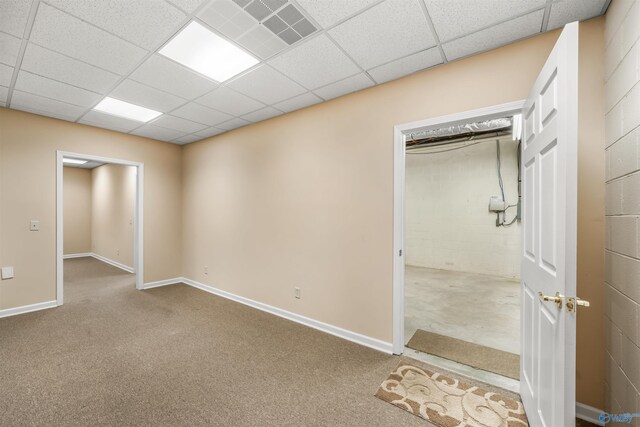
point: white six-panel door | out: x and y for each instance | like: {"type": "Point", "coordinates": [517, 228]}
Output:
{"type": "Point", "coordinates": [549, 171]}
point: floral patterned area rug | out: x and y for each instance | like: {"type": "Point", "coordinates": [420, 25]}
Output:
{"type": "Point", "coordinates": [448, 402]}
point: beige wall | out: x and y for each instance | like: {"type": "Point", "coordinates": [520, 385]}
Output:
{"type": "Point", "coordinates": [113, 212]}
{"type": "Point", "coordinates": [77, 210]}
{"type": "Point", "coordinates": [447, 220]}
{"type": "Point", "coordinates": [28, 145]}
{"type": "Point", "coordinates": [622, 287]}
{"type": "Point", "coordinates": [306, 199]}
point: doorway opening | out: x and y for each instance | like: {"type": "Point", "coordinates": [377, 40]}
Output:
{"type": "Point", "coordinates": [98, 217]}
{"type": "Point", "coordinates": [457, 265]}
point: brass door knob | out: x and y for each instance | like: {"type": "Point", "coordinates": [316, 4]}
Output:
{"type": "Point", "coordinates": [573, 303]}
{"type": "Point", "coordinates": [556, 299]}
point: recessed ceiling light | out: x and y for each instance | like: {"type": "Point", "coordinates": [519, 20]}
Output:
{"type": "Point", "coordinates": [207, 53]}
{"type": "Point", "coordinates": [74, 161]}
{"type": "Point", "coordinates": [124, 109]}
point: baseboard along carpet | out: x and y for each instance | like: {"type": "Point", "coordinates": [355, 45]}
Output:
{"type": "Point", "coordinates": [478, 356]}
{"type": "Point", "coordinates": [448, 402]}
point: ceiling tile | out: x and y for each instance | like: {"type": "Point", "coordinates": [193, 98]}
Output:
{"type": "Point", "coordinates": [495, 36]}
{"type": "Point", "coordinates": [573, 10]}
{"type": "Point", "coordinates": [164, 74]}
{"type": "Point", "coordinates": [209, 132]}
{"type": "Point", "coordinates": [407, 65]}
{"type": "Point", "coordinates": [388, 31]}
{"type": "Point", "coordinates": [233, 124]}
{"type": "Point", "coordinates": [201, 114]}
{"type": "Point", "coordinates": [187, 139]}
{"type": "Point", "coordinates": [227, 17]}
{"type": "Point", "coordinates": [145, 23]}
{"type": "Point", "coordinates": [53, 89]}
{"type": "Point", "coordinates": [103, 120]}
{"type": "Point", "coordinates": [145, 96]}
{"type": "Point", "coordinates": [5, 75]}
{"type": "Point", "coordinates": [45, 106]}
{"type": "Point", "coordinates": [262, 114]}
{"type": "Point", "coordinates": [9, 48]}
{"type": "Point", "coordinates": [315, 63]}
{"type": "Point", "coordinates": [230, 102]}
{"type": "Point", "coordinates": [343, 87]}
{"type": "Point", "coordinates": [187, 5]}
{"type": "Point", "coordinates": [56, 66]}
{"type": "Point", "coordinates": [71, 36]}
{"type": "Point", "coordinates": [4, 91]}
{"type": "Point", "coordinates": [13, 16]}
{"type": "Point", "coordinates": [266, 85]}
{"type": "Point", "coordinates": [157, 132]}
{"type": "Point", "coordinates": [177, 123]}
{"type": "Point", "coordinates": [298, 102]}
{"type": "Point", "coordinates": [262, 42]}
{"type": "Point", "coordinates": [328, 12]}
{"type": "Point", "coordinates": [454, 18]}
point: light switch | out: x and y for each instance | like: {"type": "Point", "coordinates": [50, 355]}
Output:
{"type": "Point", "coordinates": [34, 226]}
{"type": "Point", "coordinates": [7, 273]}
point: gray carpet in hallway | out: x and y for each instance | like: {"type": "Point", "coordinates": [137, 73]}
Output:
{"type": "Point", "coordinates": [176, 355]}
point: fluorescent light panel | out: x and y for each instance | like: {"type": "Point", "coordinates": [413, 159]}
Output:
{"type": "Point", "coordinates": [203, 51]}
{"type": "Point", "coordinates": [74, 161]}
{"type": "Point", "coordinates": [119, 108]}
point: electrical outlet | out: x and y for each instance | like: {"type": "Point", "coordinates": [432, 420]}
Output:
{"type": "Point", "coordinates": [34, 225]}
{"type": "Point", "coordinates": [296, 292]}
{"type": "Point", "coordinates": [206, 270]}
{"type": "Point", "coordinates": [118, 252]}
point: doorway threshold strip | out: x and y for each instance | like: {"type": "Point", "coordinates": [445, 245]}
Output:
{"type": "Point", "coordinates": [448, 402]}
{"type": "Point", "coordinates": [475, 355]}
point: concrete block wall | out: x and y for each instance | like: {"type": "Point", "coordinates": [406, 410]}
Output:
{"type": "Point", "coordinates": [622, 255]}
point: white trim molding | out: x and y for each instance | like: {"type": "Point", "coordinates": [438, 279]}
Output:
{"type": "Point", "coordinates": [113, 263]}
{"type": "Point", "coordinates": [78, 255]}
{"type": "Point", "coordinates": [27, 308]}
{"type": "Point", "coordinates": [589, 413]}
{"type": "Point", "coordinates": [165, 282]}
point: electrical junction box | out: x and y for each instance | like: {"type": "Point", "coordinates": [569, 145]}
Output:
{"type": "Point", "coordinates": [496, 204]}
{"type": "Point", "coordinates": [7, 273]}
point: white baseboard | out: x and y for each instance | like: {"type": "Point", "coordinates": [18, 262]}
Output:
{"type": "Point", "coordinates": [78, 255]}
{"type": "Point", "coordinates": [165, 282]}
{"type": "Point", "coordinates": [355, 337]}
{"type": "Point", "coordinates": [27, 308]}
{"type": "Point", "coordinates": [589, 413]}
{"type": "Point", "coordinates": [113, 263]}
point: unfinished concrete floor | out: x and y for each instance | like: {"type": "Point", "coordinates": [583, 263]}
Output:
{"type": "Point", "coordinates": [472, 307]}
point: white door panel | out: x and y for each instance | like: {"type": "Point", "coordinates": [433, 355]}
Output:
{"type": "Point", "coordinates": [549, 164]}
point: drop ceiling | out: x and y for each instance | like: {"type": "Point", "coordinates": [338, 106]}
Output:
{"type": "Point", "coordinates": [60, 58]}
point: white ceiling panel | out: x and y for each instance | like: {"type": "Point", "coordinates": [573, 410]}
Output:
{"type": "Point", "coordinates": [328, 12]}
{"type": "Point", "coordinates": [573, 10]}
{"type": "Point", "coordinates": [103, 120]}
{"type": "Point", "coordinates": [262, 42]}
{"type": "Point", "coordinates": [48, 88]}
{"type": "Point", "coordinates": [9, 48]}
{"type": "Point", "coordinates": [44, 106]}
{"type": "Point", "coordinates": [157, 132]}
{"type": "Point", "coordinates": [315, 63]}
{"type": "Point", "coordinates": [187, 5]}
{"type": "Point", "coordinates": [388, 31]}
{"type": "Point", "coordinates": [262, 114]}
{"type": "Point", "coordinates": [298, 102]}
{"type": "Point", "coordinates": [233, 124]}
{"type": "Point", "coordinates": [267, 85]}
{"type": "Point", "coordinates": [209, 132]}
{"type": "Point", "coordinates": [229, 101]}
{"type": "Point", "coordinates": [343, 87]}
{"type": "Point", "coordinates": [187, 139]}
{"type": "Point", "coordinates": [454, 18]}
{"type": "Point", "coordinates": [495, 36]}
{"type": "Point", "coordinates": [227, 17]}
{"type": "Point", "coordinates": [5, 75]}
{"type": "Point", "coordinates": [4, 91]}
{"type": "Point", "coordinates": [201, 114]}
{"type": "Point", "coordinates": [56, 66]}
{"type": "Point", "coordinates": [407, 65]}
{"type": "Point", "coordinates": [164, 74]}
{"type": "Point", "coordinates": [145, 23]}
{"type": "Point", "coordinates": [139, 94]}
{"type": "Point", "coordinates": [179, 124]}
{"type": "Point", "coordinates": [71, 36]}
{"type": "Point", "coordinates": [13, 16]}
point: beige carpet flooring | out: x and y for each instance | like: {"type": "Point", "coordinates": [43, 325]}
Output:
{"type": "Point", "coordinates": [178, 356]}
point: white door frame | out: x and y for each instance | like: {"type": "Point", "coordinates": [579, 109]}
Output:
{"type": "Point", "coordinates": [138, 241]}
{"type": "Point", "coordinates": [399, 132]}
